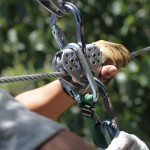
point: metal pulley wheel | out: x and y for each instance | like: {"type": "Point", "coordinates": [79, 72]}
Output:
{"type": "Point", "coordinates": [56, 6]}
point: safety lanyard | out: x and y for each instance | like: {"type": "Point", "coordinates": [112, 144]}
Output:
{"type": "Point", "coordinates": [102, 131]}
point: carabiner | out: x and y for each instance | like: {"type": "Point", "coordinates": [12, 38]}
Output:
{"type": "Point", "coordinates": [50, 7]}
{"type": "Point", "coordinates": [58, 34]}
{"type": "Point", "coordinates": [106, 101]}
{"type": "Point", "coordinates": [56, 6]}
{"type": "Point", "coordinates": [79, 24]}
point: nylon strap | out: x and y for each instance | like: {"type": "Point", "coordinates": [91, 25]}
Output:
{"type": "Point", "coordinates": [101, 131]}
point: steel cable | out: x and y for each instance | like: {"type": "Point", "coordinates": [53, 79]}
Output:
{"type": "Point", "coordinates": [140, 52]}
{"type": "Point", "coordinates": [32, 77]}
{"type": "Point", "coordinates": [41, 76]}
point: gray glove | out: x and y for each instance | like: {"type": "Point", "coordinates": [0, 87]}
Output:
{"type": "Point", "coordinates": [125, 141]}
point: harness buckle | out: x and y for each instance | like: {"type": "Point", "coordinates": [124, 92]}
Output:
{"type": "Point", "coordinates": [86, 110]}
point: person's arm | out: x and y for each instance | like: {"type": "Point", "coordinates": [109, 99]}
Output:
{"type": "Point", "coordinates": [49, 100]}
{"type": "Point", "coordinates": [67, 141]}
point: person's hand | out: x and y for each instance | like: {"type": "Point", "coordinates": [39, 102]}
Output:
{"type": "Point", "coordinates": [113, 53]}
{"type": "Point", "coordinates": [125, 141]}
{"type": "Point", "coordinates": [114, 57]}
{"type": "Point", "coordinates": [108, 71]}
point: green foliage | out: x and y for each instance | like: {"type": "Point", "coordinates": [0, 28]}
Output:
{"type": "Point", "coordinates": [27, 46]}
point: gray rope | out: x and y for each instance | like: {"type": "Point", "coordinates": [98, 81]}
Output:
{"type": "Point", "coordinates": [32, 77]}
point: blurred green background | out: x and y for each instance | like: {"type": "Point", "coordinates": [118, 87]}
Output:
{"type": "Point", "coordinates": [27, 46]}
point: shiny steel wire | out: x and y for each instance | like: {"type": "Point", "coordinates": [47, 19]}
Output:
{"type": "Point", "coordinates": [32, 77]}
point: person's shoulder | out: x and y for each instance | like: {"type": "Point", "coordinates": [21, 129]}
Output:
{"type": "Point", "coordinates": [19, 126]}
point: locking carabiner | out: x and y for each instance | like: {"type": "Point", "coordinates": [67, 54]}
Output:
{"type": "Point", "coordinates": [79, 24]}
{"type": "Point", "coordinates": [106, 101]}
{"type": "Point", "coordinates": [47, 4]}
{"type": "Point", "coordinates": [57, 32]}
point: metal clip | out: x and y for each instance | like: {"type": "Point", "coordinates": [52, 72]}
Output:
{"type": "Point", "coordinates": [57, 32]}
{"type": "Point", "coordinates": [56, 6]}
{"type": "Point", "coordinates": [107, 103]}
{"type": "Point", "coordinates": [86, 110]}
{"type": "Point", "coordinates": [48, 5]}
{"type": "Point", "coordinates": [79, 24]}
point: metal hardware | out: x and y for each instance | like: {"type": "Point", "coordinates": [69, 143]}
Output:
{"type": "Point", "coordinates": [67, 60]}
{"type": "Point", "coordinates": [57, 32]}
{"type": "Point", "coordinates": [94, 69]}
{"type": "Point", "coordinates": [78, 63]}
{"type": "Point", "coordinates": [108, 129]}
{"type": "Point", "coordinates": [139, 52]}
{"type": "Point", "coordinates": [86, 69]}
{"type": "Point", "coordinates": [58, 3]}
{"type": "Point", "coordinates": [56, 6]}
{"type": "Point", "coordinates": [107, 103]}
{"type": "Point", "coordinates": [104, 130]}
{"type": "Point", "coordinates": [94, 59]}
{"type": "Point", "coordinates": [87, 110]}
{"type": "Point", "coordinates": [79, 24]}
